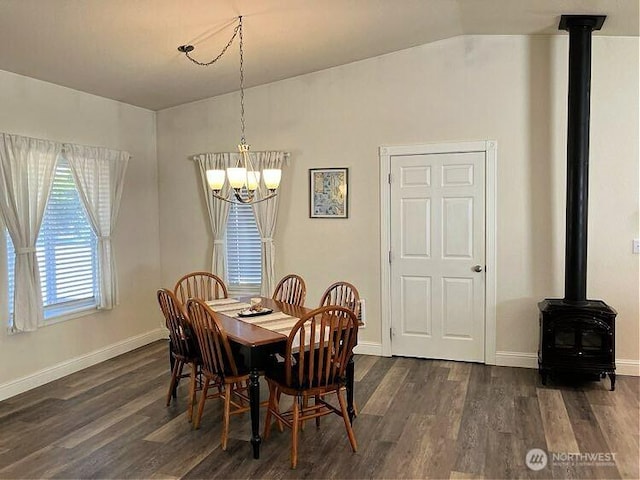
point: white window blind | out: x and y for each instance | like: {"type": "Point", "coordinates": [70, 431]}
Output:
{"type": "Point", "coordinates": [244, 256]}
{"type": "Point", "coordinates": [66, 250]}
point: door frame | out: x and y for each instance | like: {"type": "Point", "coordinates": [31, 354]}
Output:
{"type": "Point", "coordinates": [490, 149]}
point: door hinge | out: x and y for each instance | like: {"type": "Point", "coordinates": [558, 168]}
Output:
{"type": "Point", "coordinates": [389, 178]}
{"type": "Point", "coordinates": [390, 332]}
{"type": "Point", "coordinates": [389, 256]}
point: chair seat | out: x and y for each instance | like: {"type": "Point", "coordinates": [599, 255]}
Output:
{"type": "Point", "coordinates": [228, 376]}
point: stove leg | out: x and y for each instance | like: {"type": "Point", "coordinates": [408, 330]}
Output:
{"type": "Point", "coordinates": [612, 377]}
{"type": "Point", "coordinates": [543, 376]}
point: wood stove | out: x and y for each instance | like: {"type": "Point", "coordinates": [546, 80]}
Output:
{"type": "Point", "coordinates": [577, 336]}
{"type": "Point", "coordinates": [577, 339]}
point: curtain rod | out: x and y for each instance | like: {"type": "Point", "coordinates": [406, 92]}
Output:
{"type": "Point", "coordinates": [197, 155]}
{"type": "Point", "coordinates": [64, 146]}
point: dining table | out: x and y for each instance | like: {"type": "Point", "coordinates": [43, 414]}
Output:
{"type": "Point", "coordinates": [258, 339]}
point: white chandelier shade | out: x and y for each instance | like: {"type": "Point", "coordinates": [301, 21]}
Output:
{"type": "Point", "coordinates": [241, 178]}
{"type": "Point", "coordinates": [244, 179]}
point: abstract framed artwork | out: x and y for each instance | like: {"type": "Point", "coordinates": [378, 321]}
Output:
{"type": "Point", "coordinates": [328, 192]}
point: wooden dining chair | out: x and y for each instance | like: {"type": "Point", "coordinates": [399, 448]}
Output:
{"type": "Point", "coordinates": [183, 346]}
{"type": "Point", "coordinates": [316, 356]}
{"type": "Point", "coordinates": [202, 285]}
{"type": "Point", "coordinates": [218, 366]}
{"type": "Point", "coordinates": [343, 294]}
{"type": "Point", "coordinates": [291, 289]}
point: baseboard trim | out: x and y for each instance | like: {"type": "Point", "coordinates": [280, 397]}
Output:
{"type": "Point", "coordinates": [530, 360]}
{"type": "Point", "coordinates": [28, 382]}
{"type": "Point", "coordinates": [368, 348]}
{"type": "Point", "coordinates": [517, 359]}
{"type": "Point", "coordinates": [628, 367]}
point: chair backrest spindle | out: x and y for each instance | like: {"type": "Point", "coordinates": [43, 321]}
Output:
{"type": "Point", "coordinates": [217, 357]}
{"type": "Point", "coordinates": [323, 340]}
{"type": "Point", "coordinates": [202, 285]}
{"type": "Point", "coordinates": [180, 330]}
{"type": "Point", "coordinates": [343, 294]}
{"type": "Point", "coordinates": [291, 289]}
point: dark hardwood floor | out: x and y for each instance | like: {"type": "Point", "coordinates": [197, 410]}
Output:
{"type": "Point", "coordinates": [418, 419]}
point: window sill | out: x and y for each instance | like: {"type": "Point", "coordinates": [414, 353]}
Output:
{"type": "Point", "coordinates": [63, 314]}
{"type": "Point", "coordinates": [237, 291]}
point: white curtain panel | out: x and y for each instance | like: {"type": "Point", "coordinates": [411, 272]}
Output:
{"type": "Point", "coordinates": [266, 214]}
{"type": "Point", "coordinates": [27, 166]}
{"type": "Point", "coordinates": [218, 209]}
{"type": "Point", "coordinates": [99, 176]}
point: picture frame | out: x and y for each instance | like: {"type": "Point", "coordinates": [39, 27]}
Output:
{"type": "Point", "coordinates": [329, 192]}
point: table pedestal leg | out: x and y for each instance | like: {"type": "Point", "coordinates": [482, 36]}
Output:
{"type": "Point", "coordinates": [350, 374]}
{"type": "Point", "coordinates": [254, 400]}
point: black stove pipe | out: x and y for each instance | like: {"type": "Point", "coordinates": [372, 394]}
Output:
{"type": "Point", "coordinates": [579, 28]}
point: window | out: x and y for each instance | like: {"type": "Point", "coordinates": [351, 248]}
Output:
{"type": "Point", "coordinates": [244, 253]}
{"type": "Point", "coordinates": [66, 250]}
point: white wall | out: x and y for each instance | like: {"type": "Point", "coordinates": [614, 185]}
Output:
{"type": "Point", "coordinates": [508, 88]}
{"type": "Point", "coordinates": [43, 110]}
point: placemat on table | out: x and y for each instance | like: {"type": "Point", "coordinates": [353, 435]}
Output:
{"type": "Point", "coordinates": [221, 301]}
{"type": "Point", "coordinates": [231, 310]}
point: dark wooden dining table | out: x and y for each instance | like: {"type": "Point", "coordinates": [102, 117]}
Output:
{"type": "Point", "coordinates": [257, 345]}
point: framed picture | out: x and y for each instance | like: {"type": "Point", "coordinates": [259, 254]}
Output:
{"type": "Point", "coordinates": [328, 194]}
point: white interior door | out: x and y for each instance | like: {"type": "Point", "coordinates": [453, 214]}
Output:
{"type": "Point", "coordinates": [438, 255]}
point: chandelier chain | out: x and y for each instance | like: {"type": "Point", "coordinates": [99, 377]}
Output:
{"type": "Point", "coordinates": [242, 137]}
{"type": "Point", "coordinates": [237, 32]}
{"type": "Point", "coordinates": [224, 50]}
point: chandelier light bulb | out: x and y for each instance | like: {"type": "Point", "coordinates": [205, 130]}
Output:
{"type": "Point", "coordinates": [215, 179]}
{"type": "Point", "coordinates": [272, 178]}
{"type": "Point", "coordinates": [237, 177]}
{"type": "Point", "coordinates": [253, 180]}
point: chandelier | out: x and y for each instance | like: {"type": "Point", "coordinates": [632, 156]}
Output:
{"type": "Point", "coordinates": [248, 183]}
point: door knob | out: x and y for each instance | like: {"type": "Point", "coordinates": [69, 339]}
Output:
{"type": "Point", "coordinates": [477, 268]}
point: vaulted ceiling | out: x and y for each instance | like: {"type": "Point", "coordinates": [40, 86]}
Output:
{"type": "Point", "coordinates": [126, 50]}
